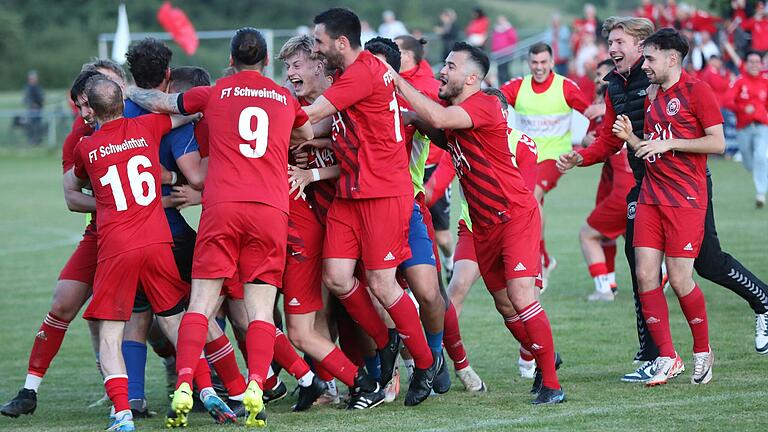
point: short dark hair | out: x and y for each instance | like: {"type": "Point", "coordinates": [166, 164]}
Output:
{"type": "Point", "coordinates": [104, 96]}
{"type": "Point", "coordinates": [388, 48]}
{"type": "Point", "coordinates": [668, 39]}
{"type": "Point", "coordinates": [606, 62]}
{"type": "Point", "coordinates": [148, 61]}
{"type": "Point", "coordinates": [416, 46]}
{"type": "Point", "coordinates": [185, 77]}
{"type": "Point", "coordinates": [539, 47]}
{"type": "Point", "coordinates": [493, 91]}
{"type": "Point", "coordinates": [475, 54]}
{"type": "Point", "coordinates": [341, 22]}
{"type": "Point", "coordinates": [753, 52]}
{"type": "Point", "coordinates": [248, 47]}
{"type": "Point", "coordinates": [78, 85]}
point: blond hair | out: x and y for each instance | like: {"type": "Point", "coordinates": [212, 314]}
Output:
{"type": "Point", "coordinates": [302, 43]}
{"type": "Point", "coordinates": [638, 28]}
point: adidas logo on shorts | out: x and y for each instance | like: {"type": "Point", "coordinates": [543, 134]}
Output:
{"type": "Point", "coordinates": [688, 247]}
{"type": "Point", "coordinates": [520, 267]}
{"type": "Point", "coordinates": [389, 257]}
{"type": "Point", "coordinates": [294, 302]}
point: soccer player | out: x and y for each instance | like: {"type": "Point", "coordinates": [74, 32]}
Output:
{"type": "Point", "coordinates": [505, 217]}
{"type": "Point", "coordinates": [121, 162]}
{"type": "Point", "coordinates": [251, 121]}
{"type": "Point", "coordinates": [626, 94]}
{"type": "Point", "coordinates": [544, 102]}
{"type": "Point", "coordinates": [607, 221]}
{"type": "Point", "coordinates": [747, 98]}
{"type": "Point", "coordinates": [76, 279]}
{"type": "Point", "coordinates": [311, 194]}
{"type": "Point", "coordinates": [682, 124]}
{"type": "Point", "coordinates": [368, 219]}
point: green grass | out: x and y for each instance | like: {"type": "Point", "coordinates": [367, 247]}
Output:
{"type": "Point", "coordinates": [597, 341]}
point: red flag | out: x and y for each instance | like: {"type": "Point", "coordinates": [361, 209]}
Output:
{"type": "Point", "coordinates": [175, 22]}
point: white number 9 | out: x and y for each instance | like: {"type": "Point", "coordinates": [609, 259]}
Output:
{"type": "Point", "coordinates": [259, 135]}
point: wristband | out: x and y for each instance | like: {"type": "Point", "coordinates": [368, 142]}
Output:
{"type": "Point", "coordinates": [315, 174]}
{"type": "Point", "coordinates": [174, 177]}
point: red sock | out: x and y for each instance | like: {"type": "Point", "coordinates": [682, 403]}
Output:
{"type": "Point", "coordinates": [452, 339]}
{"type": "Point", "coordinates": [517, 328]}
{"type": "Point", "coordinates": [542, 346]}
{"type": "Point", "coordinates": [340, 366]}
{"type": "Point", "coordinates": [544, 254]}
{"type": "Point", "coordinates": [222, 356]}
{"type": "Point", "coordinates": [348, 340]}
{"type": "Point", "coordinates": [261, 347]}
{"type": "Point", "coordinates": [287, 357]}
{"type": "Point", "coordinates": [695, 311]}
{"type": "Point", "coordinates": [47, 344]}
{"type": "Point", "coordinates": [202, 377]}
{"type": "Point", "coordinates": [598, 269]}
{"type": "Point", "coordinates": [609, 249]}
{"type": "Point", "coordinates": [656, 315]}
{"type": "Point", "coordinates": [192, 333]}
{"type": "Point", "coordinates": [322, 372]}
{"type": "Point", "coordinates": [241, 345]}
{"type": "Point", "coordinates": [117, 390]}
{"type": "Point", "coordinates": [360, 308]}
{"type": "Point", "coordinates": [526, 355]}
{"type": "Point", "coordinates": [406, 318]}
{"type": "Point", "coordinates": [271, 382]}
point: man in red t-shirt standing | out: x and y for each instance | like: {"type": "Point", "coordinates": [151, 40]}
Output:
{"type": "Point", "coordinates": [505, 217]}
{"type": "Point", "coordinates": [682, 124]}
{"type": "Point", "coordinates": [370, 214]}
{"type": "Point", "coordinates": [121, 161]}
{"type": "Point", "coordinates": [244, 224]}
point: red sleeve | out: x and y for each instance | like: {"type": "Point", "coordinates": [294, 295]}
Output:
{"type": "Point", "coordinates": [301, 115]}
{"type": "Point", "coordinates": [510, 90]}
{"type": "Point", "coordinates": [354, 85]}
{"type": "Point", "coordinates": [574, 97]}
{"type": "Point", "coordinates": [159, 124]}
{"type": "Point", "coordinates": [201, 135]}
{"type": "Point", "coordinates": [606, 143]}
{"type": "Point", "coordinates": [478, 110]}
{"type": "Point", "coordinates": [77, 161]}
{"type": "Point", "coordinates": [730, 99]}
{"type": "Point", "coordinates": [79, 130]}
{"type": "Point", "coordinates": [441, 178]}
{"type": "Point", "coordinates": [705, 105]}
{"type": "Point", "coordinates": [194, 100]}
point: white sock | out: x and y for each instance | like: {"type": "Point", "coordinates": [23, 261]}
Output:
{"type": "Point", "coordinates": [331, 386]}
{"type": "Point", "coordinates": [410, 365]}
{"type": "Point", "coordinates": [448, 263]}
{"type": "Point", "coordinates": [238, 397]}
{"type": "Point", "coordinates": [612, 278]}
{"type": "Point", "coordinates": [602, 284]}
{"type": "Point", "coordinates": [33, 382]}
{"type": "Point", "coordinates": [124, 415]}
{"type": "Point", "coordinates": [306, 380]}
{"type": "Point", "coordinates": [206, 392]}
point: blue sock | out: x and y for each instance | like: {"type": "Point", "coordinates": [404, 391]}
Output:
{"type": "Point", "coordinates": [135, 356]}
{"type": "Point", "coordinates": [222, 322]}
{"type": "Point", "coordinates": [435, 341]}
{"type": "Point", "coordinates": [373, 366]}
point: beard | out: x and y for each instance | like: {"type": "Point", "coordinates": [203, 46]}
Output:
{"type": "Point", "coordinates": [448, 91]}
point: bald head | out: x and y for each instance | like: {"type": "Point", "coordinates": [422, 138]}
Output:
{"type": "Point", "coordinates": [105, 98]}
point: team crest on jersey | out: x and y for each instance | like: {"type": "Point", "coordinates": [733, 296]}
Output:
{"type": "Point", "coordinates": [631, 210]}
{"type": "Point", "coordinates": [673, 106]}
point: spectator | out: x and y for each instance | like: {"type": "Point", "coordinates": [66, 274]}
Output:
{"type": "Point", "coordinates": [558, 37]}
{"type": "Point", "coordinates": [585, 26]}
{"type": "Point", "coordinates": [758, 27]}
{"type": "Point", "coordinates": [477, 29]}
{"type": "Point", "coordinates": [719, 78]}
{"type": "Point", "coordinates": [649, 11]}
{"type": "Point", "coordinates": [366, 32]}
{"type": "Point", "coordinates": [703, 49]}
{"type": "Point", "coordinates": [503, 41]}
{"type": "Point", "coordinates": [587, 53]}
{"type": "Point", "coordinates": [447, 30]}
{"type": "Point", "coordinates": [391, 27]}
{"type": "Point", "coordinates": [33, 101]}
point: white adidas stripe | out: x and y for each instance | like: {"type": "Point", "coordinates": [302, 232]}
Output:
{"type": "Point", "coordinates": [109, 377]}
{"type": "Point", "coordinates": [221, 353]}
{"type": "Point", "coordinates": [53, 322]}
{"type": "Point", "coordinates": [532, 312]}
{"type": "Point", "coordinates": [513, 318]}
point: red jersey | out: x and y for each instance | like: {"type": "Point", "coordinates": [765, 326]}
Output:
{"type": "Point", "coordinates": [683, 111]}
{"type": "Point", "coordinates": [250, 119]}
{"type": "Point", "coordinates": [79, 130]}
{"type": "Point", "coordinates": [719, 83]}
{"type": "Point", "coordinates": [748, 91]}
{"type": "Point", "coordinates": [574, 97]}
{"type": "Point", "coordinates": [759, 30]}
{"type": "Point", "coordinates": [423, 80]}
{"type": "Point", "coordinates": [201, 136]}
{"type": "Point", "coordinates": [122, 160]}
{"type": "Point", "coordinates": [368, 135]}
{"type": "Point", "coordinates": [320, 193]}
{"type": "Point", "coordinates": [485, 164]}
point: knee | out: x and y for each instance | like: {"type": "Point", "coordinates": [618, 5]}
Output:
{"type": "Point", "coordinates": [298, 336]}
{"type": "Point", "coordinates": [64, 310]}
{"type": "Point", "coordinates": [647, 278]}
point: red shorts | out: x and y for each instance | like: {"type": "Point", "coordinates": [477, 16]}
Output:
{"type": "Point", "coordinates": [465, 245]}
{"type": "Point", "coordinates": [426, 214]}
{"type": "Point", "coordinates": [249, 238]}
{"type": "Point", "coordinates": [233, 288]}
{"type": "Point", "coordinates": [81, 265]}
{"type": "Point", "coordinates": [509, 250]}
{"type": "Point", "coordinates": [677, 231]}
{"type": "Point", "coordinates": [548, 175]}
{"type": "Point", "coordinates": [374, 229]}
{"type": "Point", "coordinates": [117, 279]}
{"type": "Point", "coordinates": [302, 281]}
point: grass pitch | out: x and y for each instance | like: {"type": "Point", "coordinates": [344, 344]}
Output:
{"type": "Point", "coordinates": [597, 341]}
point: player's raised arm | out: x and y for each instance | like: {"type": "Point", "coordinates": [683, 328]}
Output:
{"type": "Point", "coordinates": [154, 100]}
{"type": "Point", "coordinates": [452, 117]}
{"type": "Point", "coordinates": [320, 109]}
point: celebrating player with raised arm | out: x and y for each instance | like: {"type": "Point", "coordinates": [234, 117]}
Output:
{"type": "Point", "coordinates": [505, 217]}
{"type": "Point", "coordinates": [244, 225]}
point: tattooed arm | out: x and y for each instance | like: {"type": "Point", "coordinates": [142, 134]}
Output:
{"type": "Point", "coordinates": [154, 100]}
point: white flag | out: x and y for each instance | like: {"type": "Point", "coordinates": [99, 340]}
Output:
{"type": "Point", "coordinates": [122, 36]}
